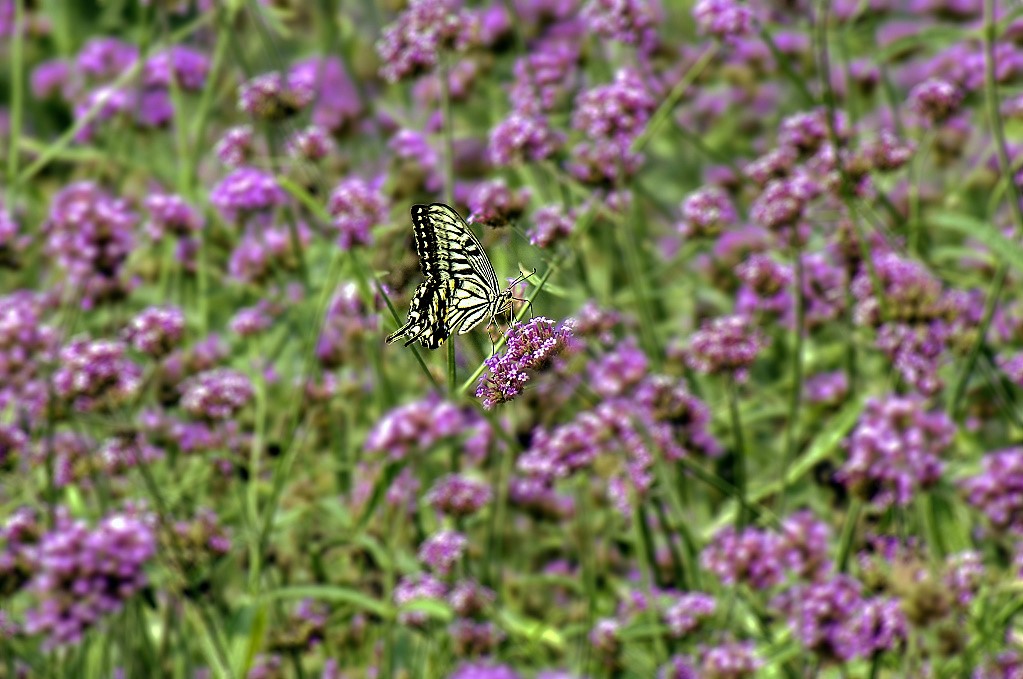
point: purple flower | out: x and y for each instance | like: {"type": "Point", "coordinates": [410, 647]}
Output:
{"type": "Point", "coordinates": [469, 598]}
{"type": "Point", "coordinates": [752, 557]}
{"type": "Point", "coordinates": [253, 320]}
{"type": "Point", "coordinates": [543, 78]}
{"type": "Point", "coordinates": [888, 152]}
{"type": "Point", "coordinates": [156, 331]}
{"type": "Point", "coordinates": [910, 292]}
{"type": "Point", "coordinates": [523, 137]}
{"type": "Point", "coordinates": [92, 373]}
{"type": "Point", "coordinates": [678, 421]}
{"type": "Point", "coordinates": [234, 147]}
{"type": "Point", "coordinates": [473, 638]}
{"type": "Point", "coordinates": [442, 550]}
{"type": "Point", "coordinates": [775, 164]}
{"type": "Point", "coordinates": [894, 450]}
{"type": "Point", "coordinates": [85, 575]}
{"type": "Point", "coordinates": [1012, 366]}
{"type": "Point", "coordinates": [410, 46]}
{"type": "Point", "coordinates": [458, 496]}
{"type": "Point", "coordinates": [171, 214]}
{"type": "Point", "coordinates": [678, 667]}
{"type": "Point", "coordinates": [827, 389]}
{"type": "Point", "coordinates": [632, 22]}
{"type": "Point", "coordinates": [481, 670]}
{"type": "Point", "coordinates": [733, 660]}
{"type": "Point", "coordinates": [964, 576]}
{"type": "Point", "coordinates": [604, 636]}
{"type": "Point", "coordinates": [728, 345]}
{"type": "Point", "coordinates": [616, 372]}
{"type": "Point", "coordinates": [783, 202]}
{"type": "Point", "coordinates": [27, 344]}
{"type": "Point", "coordinates": [495, 205]}
{"type": "Point", "coordinates": [998, 490]}
{"type": "Point", "coordinates": [551, 225]}
{"type": "Point", "coordinates": [122, 452]}
{"type": "Point", "coordinates": [610, 117]}
{"type": "Point", "coordinates": [203, 534]}
{"type": "Point", "coordinates": [723, 18]}
{"type": "Point", "coordinates": [183, 66]}
{"type": "Point", "coordinates": [804, 545]}
{"type": "Point", "coordinates": [313, 143]}
{"type": "Point", "coordinates": [347, 321]}
{"type": "Point", "coordinates": [50, 78]}
{"type": "Point", "coordinates": [264, 249]}
{"type": "Point", "coordinates": [246, 190]}
{"type": "Point", "coordinates": [356, 206]}
{"type": "Point", "coordinates": [105, 58]}
{"type": "Point", "coordinates": [415, 427]}
{"type": "Point", "coordinates": [536, 495]}
{"type": "Point", "coordinates": [337, 103]}
{"type": "Point", "coordinates": [101, 105]}
{"type": "Point", "coordinates": [271, 96]}
{"type": "Point", "coordinates": [821, 613]}
{"type": "Point", "coordinates": [806, 132]}
{"type": "Point", "coordinates": [687, 611]}
{"type": "Point", "coordinates": [13, 443]}
{"type": "Point", "coordinates": [915, 351]}
{"type": "Point", "coordinates": [415, 588]}
{"type": "Point", "coordinates": [706, 212]}
{"type": "Point", "coordinates": [418, 158]}
{"type": "Point", "coordinates": [935, 100]}
{"type": "Point", "coordinates": [767, 287]}
{"type": "Point", "coordinates": [90, 235]}
{"type": "Point", "coordinates": [216, 394]}
{"type": "Point", "coordinates": [531, 348]}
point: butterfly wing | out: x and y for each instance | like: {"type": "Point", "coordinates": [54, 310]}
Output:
{"type": "Point", "coordinates": [461, 287]}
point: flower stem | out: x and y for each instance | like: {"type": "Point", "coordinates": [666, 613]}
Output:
{"type": "Point", "coordinates": [742, 516]}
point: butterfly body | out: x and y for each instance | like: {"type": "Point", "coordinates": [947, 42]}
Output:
{"type": "Point", "coordinates": [461, 287]}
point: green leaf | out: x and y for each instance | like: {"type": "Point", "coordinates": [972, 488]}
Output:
{"type": "Point", "coordinates": [438, 610]}
{"type": "Point", "coordinates": [967, 225]}
{"type": "Point", "coordinates": [531, 630]}
{"type": "Point", "coordinates": [334, 593]}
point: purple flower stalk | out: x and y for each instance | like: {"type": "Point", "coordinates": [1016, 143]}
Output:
{"type": "Point", "coordinates": [530, 349]}
{"type": "Point", "coordinates": [687, 611]}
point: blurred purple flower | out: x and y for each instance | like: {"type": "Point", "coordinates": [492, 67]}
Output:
{"type": "Point", "coordinates": [632, 22]}
{"type": "Point", "coordinates": [727, 345]}
{"type": "Point", "coordinates": [105, 58]}
{"type": "Point", "coordinates": [495, 205]}
{"type": "Point", "coordinates": [337, 103]}
{"type": "Point", "coordinates": [752, 557]}
{"type": "Point", "coordinates": [442, 550]}
{"type": "Point", "coordinates": [543, 78]}
{"type": "Point", "coordinates": [234, 148]}
{"type": "Point", "coordinates": [312, 143]}
{"type": "Point", "coordinates": [551, 225]}
{"type": "Point", "coordinates": [156, 330]}
{"type": "Point", "coordinates": [678, 667]}
{"type": "Point", "coordinates": [415, 427]}
{"type": "Point", "coordinates": [827, 388]}
{"type": "Point", "coordinates": [484, 670]}
{"type": "Point", "coordinates": [180, 65]}
{"type": "Point", "coordinates": [895, 450]}
{"type": "Point", "coordinates": [935, 100]}
{"type": "Point", "coordinates": [410, 46]}
{"type": "Point", "coordinates": [246, 190]}
{"type": "Point", "coordinates": [523, 137]}
{"type": "Point", "coordinates": [458, 496]}
{"type": "Point", "coordinates": [724, 19]}
{"type": "Point", "coordinates": [92, 373]}
{"type": "Point", "coordinates": [998, 490]}
{"type": "Point", "coordinates": [216, 394]}
{"type": "Point", "coordinates": [685, 613]}
{"type": "Point", "coordinates": [469, 598]}
{"type": "Point", "coordinates": [417, 587]}
{"type": "Point", "coordinates": [731, 660]}
{"type": "Point", "coordinates": [356, 206]}
{"type": "Point", "coordinates": [171, 214]}
{"type": "Point", "coordinates": [706, 212]}
{"type": "Point", "coordinates": [271, 96]}
{"type": "Point", "coordinates": [85, 575]}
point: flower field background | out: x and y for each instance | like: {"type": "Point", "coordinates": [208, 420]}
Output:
{"type": "Point", "coordinates": [757, 413]}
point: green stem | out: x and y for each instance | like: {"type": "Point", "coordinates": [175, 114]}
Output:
{"type": "Point", "coordinates": [852, 517]}
{"type": "Point", "coordinates": [17, 78]}
{"type": "Point", "coordinates": [795, 399]}
{"type": "Point", "coordinates": [739, 466]}
{"type": "Point", "coordinates": [991, 99]}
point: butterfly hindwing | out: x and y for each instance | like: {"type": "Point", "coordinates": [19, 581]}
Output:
{"type": "Point", "coordinates": [461, 287]}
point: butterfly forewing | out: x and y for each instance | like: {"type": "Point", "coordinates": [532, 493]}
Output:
{"type": "Point", "coordinates": [461, 287]}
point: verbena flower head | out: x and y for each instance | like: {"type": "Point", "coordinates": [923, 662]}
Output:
{"type": "Point", "coordinates": [723, 19]}
{"type": "Point", "coordinates": [94, 373]}
{"type": "Point", "coordinates": [170, 214]}
{"type": "Point", "coordinates": [272, 96]}
{"type": "Point", "coordinates": [414, 588]}
{"type": "Point", "coordinates": [494, 204]}
{"type": "Point", "coordinates": [412, 44]}
{"type": "Point", "coordinates": [216, 394]}
{"type": "Point", "coordinates": [484, 670]}
{"type": "Point", "coordinates": [442, 550]}
{"type": "Point", "coordinates": [726, 345]}
{"type": "Point", "coordinates": [685, 613]}
{"type": "Point", "coordinates": [245, 191]}
{"type": "Point", "coordinates": [805, 544]}
{"type": "Point", "coordinates": [266, 249]}
{"type": "Point", "coordinates": [105, 58]}
{"type": "Point", "coordinates": [551, 225]}
{"type": "Point", "coordinates": [895, 450]}
{"type": "Point", "coordinates": [90, 234]}
{"type": "Point", "coordinates": [476, 638]}
{"type": "Point", "coordinates": [27, 344]}
{"type": "Point", "coordinates": [909, 291]}
{"type": "Point", "coordinates": [470, 599]}
{"type": "Point", "coordinates": [678, 667]}
{"type": "Point", "coordinates": [523, 137]}
{"type": "Point", "coordinates": [415, 427]}
{"type": "Point", "coordinates": [706, 212]}
{"type": "Point", "coordinates": [84, 575]}
{"type": "Point", "coordinates": [732, 660]}
{"type": "Point", "coordinates": [935, 100]}
{"type": "Point", "coordinates": [356, 207]}
{"type": "Point", "coordinates": [179, 65]}
{"type": "Point", "coordinates": [998, 490]}
{"type": "Point", "coordinates": [459, 496]}
{"type": "Point", "coordinates": [234, 148]}
{"type": "Point", "coordinates": [752, 557]}
{"type": "Point", "coordinates": [312, 143]}
{"type": "Point", "coordinates": [544, 77]}
{"type": "Point", "coordinates": [632, 22]}
{"type": "Point", "coordinates": [888, 152]}
{"type": "Point", "coordinates": [156, 331]}
{"type": "Point", "coordinates": [618, 371]}
{"type": "Point", "coordinates": [530, 348]}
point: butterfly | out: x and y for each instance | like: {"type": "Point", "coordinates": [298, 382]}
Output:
{"type": "Point", "coordinates": [461, 287]}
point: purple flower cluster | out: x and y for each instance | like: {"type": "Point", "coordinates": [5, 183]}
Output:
{"type": "Point", "coordinates": [93, 373]}
{"type": "Point", "coordinates": [551, 225]}
{"type": "Point", "coordinates": [83, 575]}
{"type": "Point", "coordinates": [27, 344]}
{"type": "Point", "coordinates": [271, 96]}
{"type": "Point", "coordinates": [442, 550]}
{"type": "Point", "coordinates": [90, 234]}
{"type": "Point", "coordinates": [998, 490]}
{"type": "Point", "coordinates": [726, 345]}
{"type": "Point", "coordinates": [419, 426]}
{"type": "Point", "coordinates": [356, 207]}
{"type": "Point", "coordinates": [493, 204]}
{"type": "Point", "coordinates": [216, 394]}
{"type": "Point", "coordinates": [531, 348]}
{"type": "Point", "coordinates": [156, 331]}
{"type": "Point", "coordinates": [706, 212]}
{"type": "Point", "coordinates": [412, 44]}
{"type": "Point", "coordinates": [895, 450]}
{"type": "Point", "coordinates": [457, 495]}
{"type": "Point", "coordinates": [245, 191]}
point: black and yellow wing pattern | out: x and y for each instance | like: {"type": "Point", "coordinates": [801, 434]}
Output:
{"type": "Point", "coordinates": [461, 287]}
